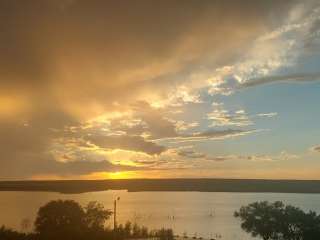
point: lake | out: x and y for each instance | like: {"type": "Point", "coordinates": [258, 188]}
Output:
{"type": "Point", "coordinates": [201, 214]}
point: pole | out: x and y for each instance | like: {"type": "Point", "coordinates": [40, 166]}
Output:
{"type": "Point", "coordinates": [115, 215]}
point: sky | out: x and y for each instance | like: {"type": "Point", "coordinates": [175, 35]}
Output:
{"type": "Point", "coordinates": [159, 89]}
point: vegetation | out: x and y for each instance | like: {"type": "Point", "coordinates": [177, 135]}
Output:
{"type": "Point", "coordinates": [66, 219]}
{"type": "Point", "coordinates": [276, 221]}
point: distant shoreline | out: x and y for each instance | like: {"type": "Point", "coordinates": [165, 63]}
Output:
{"type": "Point", "coordinates": [185, 185]}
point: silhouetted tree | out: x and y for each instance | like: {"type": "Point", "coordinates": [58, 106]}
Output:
{"type": "Point", "coordinates": [136, 231]}
{"type": "Point", "coordinates": [96, 215]}
{"type": "Point", "coordinates": [8, 234]}
{"type": "Point", "coordinates": [144, 232]}
{"type": "Point", "coordinates": [165, 234]}
{"type": "Point", "coordinates": [275, 221]}
{"type": "Point", "coordinates": [60, 218]}
{"type": "Point", "coordinates": [128, 229]}
{"type": "Point", "coordinates": [26, 224]}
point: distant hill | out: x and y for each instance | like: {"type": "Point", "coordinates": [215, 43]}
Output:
{"type": "Point", "coordinates": [136, 185]}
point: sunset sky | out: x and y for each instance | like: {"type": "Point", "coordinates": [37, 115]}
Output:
{"type": "Point", "coordinates": [159, 89]}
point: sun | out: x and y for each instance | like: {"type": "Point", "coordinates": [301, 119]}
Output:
{"type": "Point", "coordinates": [116, 175]}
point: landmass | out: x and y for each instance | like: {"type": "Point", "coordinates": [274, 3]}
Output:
{"type": "Point", "coordinates": [138, 185]}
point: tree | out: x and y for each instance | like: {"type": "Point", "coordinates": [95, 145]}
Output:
{"type": "Point", "coordinates": [165, 234]}
{"type": "Point", "coordinates": [291, 223]}
{"type": "Point", "coordinates": [275, 221]}
{"type": "Point", "coordinates": [310, 227]}
{"type": "Point", "coordinates": [60, 218]}
{"type": "Point", "coordinates": [9, 234]}
{"type": "Point", "coordinates": [127, 229]}
{"type": "Point", "coordinates": [136, 231]}
{"type": "Point", "coordinates": [144, 232]}
{"type": "Point", "coordinates": [261, 219]}
{"type": "Point", "coordinates": [96, 215]}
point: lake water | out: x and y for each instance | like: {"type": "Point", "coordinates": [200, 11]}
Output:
{"type": "Point", "coordinates": [195, 213]}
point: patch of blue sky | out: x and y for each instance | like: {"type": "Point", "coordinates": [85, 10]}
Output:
{"type": "Point", "coordinates": [294, 129]}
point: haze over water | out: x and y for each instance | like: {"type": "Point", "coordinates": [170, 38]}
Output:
{"type": "Point", "coordinates": [195, 213]}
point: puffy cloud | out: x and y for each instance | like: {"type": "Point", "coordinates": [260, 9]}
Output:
{"type": "Point", "coordinates": [30, 149]}
{"type": "Point", "coordinates": [276, 51]}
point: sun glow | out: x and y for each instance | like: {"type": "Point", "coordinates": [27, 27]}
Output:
{"type": "Point", "coordinates": [116, 175]}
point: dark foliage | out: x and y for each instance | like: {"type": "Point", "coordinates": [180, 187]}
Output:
{"type": "Point", "coordinates": [276, 221]}
{"type": "Point", "coordinates": [8, 234]}
{"type": "Point", "coordinates": [66, 219]}
{"type": "Point", "coordinates": [60, 218]}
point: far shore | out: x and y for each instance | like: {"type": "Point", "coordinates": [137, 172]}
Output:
{"type": "Point", "coordinates": [187, 185]}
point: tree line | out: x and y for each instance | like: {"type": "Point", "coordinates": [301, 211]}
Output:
{"type": "Point", "coordinates": [68, 220]}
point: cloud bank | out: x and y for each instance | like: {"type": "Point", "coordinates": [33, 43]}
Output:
{"type": "Point", "coordinates": [83, 81]}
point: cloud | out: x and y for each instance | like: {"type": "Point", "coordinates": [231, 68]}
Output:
{"type": "Point", "coordinates": [298, 78]}
{"type": "Point", "coordinates": [191, 153]}
{"type": "Point", "coordinates": [183, 126]}
{"type": "Point", "coordinates": [269, 115]}
{"type": "Point", "coordinates": [223, 117]}
{"type": "Point", "coordinates": [29, 150]}
{"type": "Point", "coordinates": [78, 167]}
{"type": "Point", "coordinates": [212, 134]}
{"type": "Point", "coordinates": [134, 143]}
{"type": "Point", "coordinates": [316, 149]}
{"type": "Point", "coordinates": [188, 157]}
{"type": "Point", "coordinates": [65, 68]}
{"type": "Point", "coordinates": [276, 55]}
{"type": "Point", "coordinates": [102, 55]}
{"type": "Point", "coordinates": [282, 156]}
